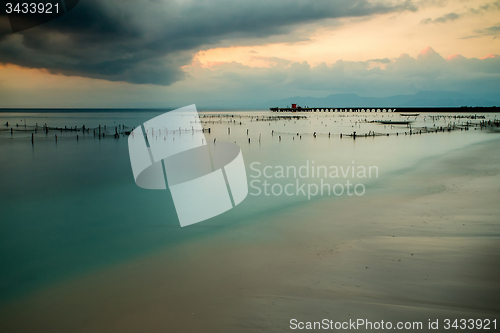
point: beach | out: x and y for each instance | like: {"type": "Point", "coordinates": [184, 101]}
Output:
{"type": "Point", "coordinates": [250, 166]}
{"type": "Point", "coordinates": [421, 245]}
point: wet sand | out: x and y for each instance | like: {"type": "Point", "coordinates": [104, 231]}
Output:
{"type": "Point", "coordinates": [423, 245]}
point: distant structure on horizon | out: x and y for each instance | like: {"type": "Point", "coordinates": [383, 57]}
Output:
{"type": "Point", "coordinates": [298, 108]}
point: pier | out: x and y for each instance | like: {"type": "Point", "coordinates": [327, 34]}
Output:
{"type": "Point", "coordinates": [410, 110]}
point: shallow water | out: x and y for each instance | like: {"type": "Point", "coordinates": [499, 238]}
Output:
{"type": "Point", "coordinates": [72, 206]}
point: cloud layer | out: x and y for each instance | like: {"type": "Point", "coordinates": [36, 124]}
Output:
{"type": "Point", "coordinates": [149, 41]}
{"type": "Point", "coordinates": [233, 85]}
{"type": "Point", "coordinates": [449, 17]}
{"type": "Point", "coordinates": [429, 71]}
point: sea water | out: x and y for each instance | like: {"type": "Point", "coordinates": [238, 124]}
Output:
{"type": "Point", "coordinates": [71, 206]}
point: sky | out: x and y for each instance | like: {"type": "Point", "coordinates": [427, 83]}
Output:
{"type": "Point", "coordinates": [241, 53]}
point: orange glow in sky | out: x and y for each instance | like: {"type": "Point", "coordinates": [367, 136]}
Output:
{"type": "Point", "coordinates": [383, 36]}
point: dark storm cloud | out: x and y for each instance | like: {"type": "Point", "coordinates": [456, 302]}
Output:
{"type": "Point", "coordinates": [149, 41]}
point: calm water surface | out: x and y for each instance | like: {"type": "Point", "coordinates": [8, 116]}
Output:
{"type": "Point", "coordinates": [72, 206]}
